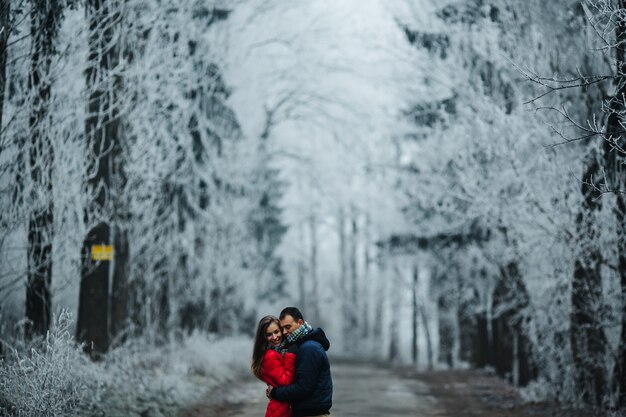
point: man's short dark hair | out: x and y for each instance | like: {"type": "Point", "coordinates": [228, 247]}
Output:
{"type": "Point", "coordinates": [291, 311]}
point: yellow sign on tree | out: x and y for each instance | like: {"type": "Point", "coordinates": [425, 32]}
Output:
{"type": "Point", "coordinates": [102, 252]}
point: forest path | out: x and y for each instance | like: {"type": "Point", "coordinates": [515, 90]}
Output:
{"type": "Point", "coordinates": [359, 390]}
{"type": "Point", "coordinates": [368, 390]}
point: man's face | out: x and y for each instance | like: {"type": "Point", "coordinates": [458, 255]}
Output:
{"type": "Point", "coordinates": [289, 324]}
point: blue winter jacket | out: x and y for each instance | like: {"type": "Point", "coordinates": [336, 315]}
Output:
{"type": "Point", "coordinates": [312, 392]}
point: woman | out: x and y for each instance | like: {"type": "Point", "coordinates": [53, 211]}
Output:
{"type": "Point", "coordinates": [272, 363]}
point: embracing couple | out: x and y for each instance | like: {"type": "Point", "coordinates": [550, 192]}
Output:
{"type": "Point", "coordinates": [290, 356]}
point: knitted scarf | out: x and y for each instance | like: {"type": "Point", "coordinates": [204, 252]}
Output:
{"type": "Point", "coordinates": [299, 333]}
{"type": "Point", "coordinates": [282, 348]}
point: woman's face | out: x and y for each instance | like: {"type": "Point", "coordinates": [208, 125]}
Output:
{"type": "Point", "coordinates": [273, 334]}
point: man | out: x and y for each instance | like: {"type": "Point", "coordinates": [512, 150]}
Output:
{"type": "Point", "coordinates": [311, 393]}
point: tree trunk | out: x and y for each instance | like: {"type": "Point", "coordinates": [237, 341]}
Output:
{"type": "Point", "coordinates": [510, 297]}
{"type": "Point", "coordinates": [614, 161]}
{"type": "Point", "coordinates": [119, 288]}
{"type": "Point", "coordinates": [93, 301]}
{"type": "Point", "coordinates": [586, 333]}
{"type": "Point", "coordinates": [447, 314]}
{"type": "Point", "coordinates": [121, 212]}
{"type": "Point", "coordinates": [427, 336]}
{"type": "Point", "coordinates": [5, 11]}
{"type": "Point", "coordinates": [482, 347]}
{"type": "Point", "coordinates": [343, 268]}
{"type": "Point", "coordinates": [302, 271]}
{"type": "Point", "coordinates": [353, 318]}
{"type": "Point", "coordinates": [394, 336]}
{"type": "Point", "coordinates": [456, 303]}
{"type": "Point", "coordinates": [379, 298]}
{"type": "Point", "coordinates": [103, 138]}
{"type": "Point", "coordinates": [365, 304]}
{"type": "Point", "coordinates": [420, 306]}
{"type": "Point", "coordinates": [344, 264]}
{"type": "Point", "coordinates": [44, 26]}
{"type": "Point", "coordinates": [446, 335]}
{"type": "Point", "coordinates": [313, 265]}
{"type": "Point", "coordinates": [414, 327]}
{"type": "Point", "coordinates": [620, 365]}
{"type": "Point", "coordinates": [353, 265]}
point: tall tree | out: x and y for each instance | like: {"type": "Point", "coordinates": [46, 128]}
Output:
{"type": "Point", "coordinates": [121, 212]}
{"type": "Point", "coordinates": [414, 317]}
{"type": "Point", "coordinates": [5, 11]}
{"type": "Point", "coordinates": [119, 287]}
{"type": "Point", "coordinates": [586, 333]}
{"type": "Point", "coordinates": [45, 17]}
{"type": "Point", "coordinates": [185, 271]}
{"type": "Point", "coordinates": [102, 130]}
{"type": "Point", "coordinates": [265, 219]}
{"type": "Point", "coordinates": [614, 154]}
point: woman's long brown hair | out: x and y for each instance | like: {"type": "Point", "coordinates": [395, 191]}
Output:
{"type": "Point", "coordinates": [260, 344]}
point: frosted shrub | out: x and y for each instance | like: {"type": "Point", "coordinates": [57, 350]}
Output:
{"type": "Point", "coordinates": [144, 379]}
{"type": "Point", "coordinates": [52, 379]}
{"type": "Point", "coordinates": [216, 358]}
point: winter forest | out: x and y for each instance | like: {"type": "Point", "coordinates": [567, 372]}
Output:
{"type": "Point", "coordinates": [439, 184]}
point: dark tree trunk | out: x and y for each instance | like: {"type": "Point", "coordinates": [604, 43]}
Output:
{"type": "Point", "coordinates": [380, 300]}
{"type": "Point", "coordinates": [353, 300]}
{"type": "Point", "coordinates": [586, 333]}
{"type": "Point", "coordinates": [38, 299]}
{"type": "Point", "coordinates": [510, 298]}
{"type": "Point", "coordinates": [120, 219]}
{"type": "Point", "coordinates": [315, 302]}
{"type": "Point", "coordinates": [103, 140]}
{"type": "Point", "coordinates": [45, 17]}
{"type": "Point", "coordinates": [302, 272]}
{"type": "Point", "coordinates": [414, 350]}
{"type": "Point", "coordinates": [429, 343]}
{"type": "Point", "coordinates": [137, 304]}
{"type": "Point", "coordinates": [119, 288]}
{"type": "Point", "coordinates": [503, 346]}
{"type": "Point", "coordinates": [468, 333]}
{"type": "Point", "coordinates": [620, 365]}
{"type": "Point", "coordinates": [302, 284]}
{"type": "Point", "coordinates": [367, 260]}
{"type": "Point", "coordinates": [527, 371]}
{"type": "Point", "coordinates": [394, 336]}
{"type": "Point", "coordinates": [346, 304]}
{"type": "Point", "coordinates": [446, 330]}
{"type": "Point", "coordinates": [614, 160]}
{"type": "Point", "coordinates": [93, 301]}
{"type": "Point", "coordinates": [354, 284]}
{"type": "Point", "coordinates": [5, 29]}
{"type": "Point", "coordinates": [162, 311]}
{"type": "Point", "coordinates": [483, 346]}
{"type": "Point", "coordinates": [343, 268]}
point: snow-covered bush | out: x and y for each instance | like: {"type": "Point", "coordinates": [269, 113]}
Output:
{"type": "Point", "coordinates": [53, 377]}
{"type": "Point", "coordinates": [140, 378]}
{"type": "Point", "coordinates": [49, 377]}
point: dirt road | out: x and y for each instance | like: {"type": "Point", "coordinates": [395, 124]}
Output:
{"type": "Point", "coordinates": [359, 390]}
{"type": "Point", "coordinates": [366, 390]}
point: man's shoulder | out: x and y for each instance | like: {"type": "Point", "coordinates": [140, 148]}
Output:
{"type": "Point", "coordinates": [319, 337]}
{"type": "Point", "coordinates": [310, 346]}
{"type": "Point", "coordinates": [310, 343]}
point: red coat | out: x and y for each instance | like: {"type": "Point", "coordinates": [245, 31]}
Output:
{"type": "Point", "coordinates": [278, 370]}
